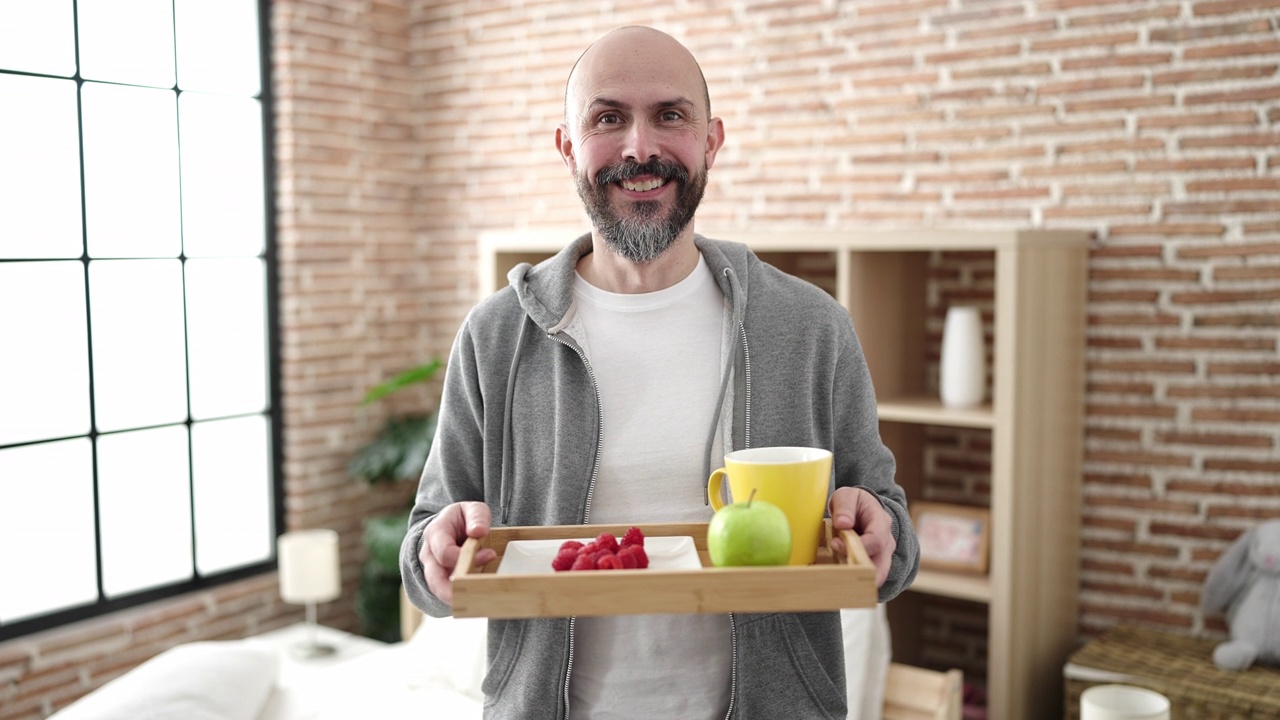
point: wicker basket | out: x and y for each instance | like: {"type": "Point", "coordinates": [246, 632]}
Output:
{"type": "Point", "coordinates": [1178, 666]}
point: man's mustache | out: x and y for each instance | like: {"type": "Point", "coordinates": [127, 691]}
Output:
{"type": "Point", "coordinates": [654, 167]}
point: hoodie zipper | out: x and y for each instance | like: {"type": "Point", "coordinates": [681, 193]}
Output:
{"type": "Point", "coordinates": [746, 384]}
{"type": "Point", "coordinates": [746, 432]}
{"type": "Point", "coordinates": [591, 490]}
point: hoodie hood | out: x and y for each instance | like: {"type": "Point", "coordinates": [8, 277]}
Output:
{"type": "Point", "coordinates": [545, 291]}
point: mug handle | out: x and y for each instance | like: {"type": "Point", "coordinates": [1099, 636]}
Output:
{"type": "Point", "coordinates": [714, 484]}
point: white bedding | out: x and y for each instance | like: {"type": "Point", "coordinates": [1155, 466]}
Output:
{"type": "Point", "coordinates": [435, 675]}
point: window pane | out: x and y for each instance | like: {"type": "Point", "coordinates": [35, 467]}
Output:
{"type": "Point", "coordinates": [38, 37]}
{"type": "Point", "coordinates": [223, 212]}
{"type": "Point", "coordinates": [44, 390]}
{"type": "Point", "coordinates": [127, 41]}
{"type": "Point", "coordinates": [39, 169]}
{"type": "Point", "coordinates": [139, 359]}
{"type": "Point", "coordinates": [231, 462]}
{"type": "Point", "coordinates": [144, 493]}
{"type": "Point", "coordinates": [46, 529]}
{"type": "Point", "coordinates": [131, 171]}
{"type": "Point", "coordinates": [227, 336]}
{"type": "Point", "coordinates": [218, 46]}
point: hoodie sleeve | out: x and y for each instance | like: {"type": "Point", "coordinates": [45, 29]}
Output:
{"type": "Point", "coordinates": [863, 460]}
{"type": "Point", "coordinates": [454, 470]}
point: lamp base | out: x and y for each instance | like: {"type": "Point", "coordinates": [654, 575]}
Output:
{"type": "Point", "coordinates": [312, 650]}
{"type": "Point", "coordinates": [313, 647]}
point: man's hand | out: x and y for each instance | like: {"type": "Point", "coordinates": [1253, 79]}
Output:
{"type": "Point", "coordinates": [442, 543]}
{"type": "Point", "coordinates": [858, 510]}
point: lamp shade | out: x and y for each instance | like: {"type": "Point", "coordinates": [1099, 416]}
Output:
{"type": "Point", "coordinates": [309, 570]}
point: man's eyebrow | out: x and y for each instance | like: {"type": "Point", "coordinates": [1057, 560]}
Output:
{"type": "Point", "coordinates": [620, 105]}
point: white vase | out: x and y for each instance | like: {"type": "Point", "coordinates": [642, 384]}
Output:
{"type": "Point", "coordinates": [962, 372]}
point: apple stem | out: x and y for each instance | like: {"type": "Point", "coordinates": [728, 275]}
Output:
{"type": "Point", "coordinates": [751, 496]}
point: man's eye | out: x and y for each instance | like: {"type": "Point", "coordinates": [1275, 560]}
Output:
{"type": "Point", "coordinates": [609, 119]}
{"type": "Point", "coordinates": [672, 116]}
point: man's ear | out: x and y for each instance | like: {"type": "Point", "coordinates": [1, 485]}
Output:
{"type": "Point", "coordinates": [564, 145]}
{"type": "Point", "coordinates": [715, 140]}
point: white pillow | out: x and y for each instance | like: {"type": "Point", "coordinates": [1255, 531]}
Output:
{"type": "Point", "coordinates": [222, 680]}
{"type": "Point", "coordinates": [449, 653]}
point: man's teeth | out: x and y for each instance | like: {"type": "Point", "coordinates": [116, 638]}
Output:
{"type": "Point", "coordinates": [642, 186]}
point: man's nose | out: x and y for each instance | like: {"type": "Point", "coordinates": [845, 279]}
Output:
{"type": "Point", "coordinates": [641, 144]}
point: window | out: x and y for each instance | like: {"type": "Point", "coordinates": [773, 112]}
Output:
{"type": "Point", "coordinates": [138, 424]}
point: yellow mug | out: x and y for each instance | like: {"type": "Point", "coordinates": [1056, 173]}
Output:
{"type": "Point", "coordinates": [796, 479]}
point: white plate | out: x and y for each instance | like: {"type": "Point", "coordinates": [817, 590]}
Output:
{"type": "Point", "coordinates": [535, 556]}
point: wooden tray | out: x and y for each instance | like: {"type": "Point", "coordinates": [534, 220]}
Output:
{"type": "Point", "coordinates": [832, 582]}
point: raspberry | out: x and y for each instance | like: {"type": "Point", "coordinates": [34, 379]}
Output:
{"type": "Point", "coordinates": [637, 552]}
{"type": "Point", "coordinates": [628, 559]}
{"type": "Point", "coordinates": [607, 542]}
{"type": "Point", "coordinates": [633, 537]}
{"type": "Point", "coordinates": [603, 553]}
{"type": "Point", "coordinates": [564, 559]}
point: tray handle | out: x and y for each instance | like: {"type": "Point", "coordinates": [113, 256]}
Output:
{"type": "Point", "coordinates": [855, 554]}
{"type": "Point", "coordinates": [466, 557]}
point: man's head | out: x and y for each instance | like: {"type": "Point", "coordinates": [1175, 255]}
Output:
{"type": "Point", "coordinates": [638, 137]}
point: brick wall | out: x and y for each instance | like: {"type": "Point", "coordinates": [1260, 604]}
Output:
{"type": "Point", "coordinates": [406, 128]}
{"type": "Point", "coordinates": [1153, 124]}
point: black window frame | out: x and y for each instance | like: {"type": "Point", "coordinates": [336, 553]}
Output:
{"type": "Point", "coordinates": [198, 582]}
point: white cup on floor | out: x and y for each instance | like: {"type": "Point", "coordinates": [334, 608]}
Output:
{"type": "Point", "coordinates": [1122, 702]}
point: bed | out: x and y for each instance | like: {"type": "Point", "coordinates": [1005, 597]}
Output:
{"type": "Point", "coordinates": [434, 675]}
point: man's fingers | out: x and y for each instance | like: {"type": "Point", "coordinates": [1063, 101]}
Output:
{"type": "Point", "coordinates": [443, 544]}
{"type": "Point", "coordinates": [858, 510]}
{"type": "Point", "coordinates": [882, 558]}
{"type": "Point", "coordinates": [870, 543]}
{"type": "Point", "coordinates": [438, 581]}
{"type": "Point", "coordinates": [484, 557]}
{"type": "Point", "coordinates": [444, 552]}
{"type": "Point", "coordinates": [477, 518]}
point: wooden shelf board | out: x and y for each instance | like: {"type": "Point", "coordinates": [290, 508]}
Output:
{"type": "Point", "coordinates": [953, 585]}
{"type": "Point", "coordinates": [929, 411]}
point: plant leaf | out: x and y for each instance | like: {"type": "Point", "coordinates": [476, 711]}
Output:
{"type": "Point", "coordinates": [399, 452]}
{"type": "Point", "coordinates": [412, 376]}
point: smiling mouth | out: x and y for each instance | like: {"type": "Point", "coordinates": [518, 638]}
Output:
{"type": "Point", "coordinates": [642, 185]}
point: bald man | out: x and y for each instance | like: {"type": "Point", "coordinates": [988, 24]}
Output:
{"type": "Point", "coordinates": [603, 386]}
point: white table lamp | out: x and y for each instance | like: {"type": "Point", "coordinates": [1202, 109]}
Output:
{"type": "Point", "coordinates": [309, 574]}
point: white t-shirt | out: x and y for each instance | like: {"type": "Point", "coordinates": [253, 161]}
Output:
{"type": "Point", "coordinates": [656, 358]}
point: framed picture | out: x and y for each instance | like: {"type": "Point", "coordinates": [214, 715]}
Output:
{"type": "Point", "coordinates": [952, 537]}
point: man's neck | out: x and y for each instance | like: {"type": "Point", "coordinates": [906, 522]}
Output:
{"type": "Point", "coordinates": [609, 271]}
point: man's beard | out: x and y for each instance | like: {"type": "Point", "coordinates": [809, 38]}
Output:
{"type": "Point", "coordinates": [646, 234]}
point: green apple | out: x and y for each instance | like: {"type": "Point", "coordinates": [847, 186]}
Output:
{"type": "Point", "coordinates": [749, 533]}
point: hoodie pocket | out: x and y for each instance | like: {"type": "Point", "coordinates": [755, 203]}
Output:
{"type": "Point", "coordinates": [782, 674]}
{"type": "Point", "coordinates": [504, 659]}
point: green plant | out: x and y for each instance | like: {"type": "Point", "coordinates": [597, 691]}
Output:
{"type": "Point", "coordinates": [400, 449]}
{"type": "Point", "coordinates": [396, 454]}
{"type": "Point", "coordinates": [378, 597]}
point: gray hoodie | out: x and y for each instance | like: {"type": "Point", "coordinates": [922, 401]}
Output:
{"type": "Point", "coordinates": [519, 423]}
